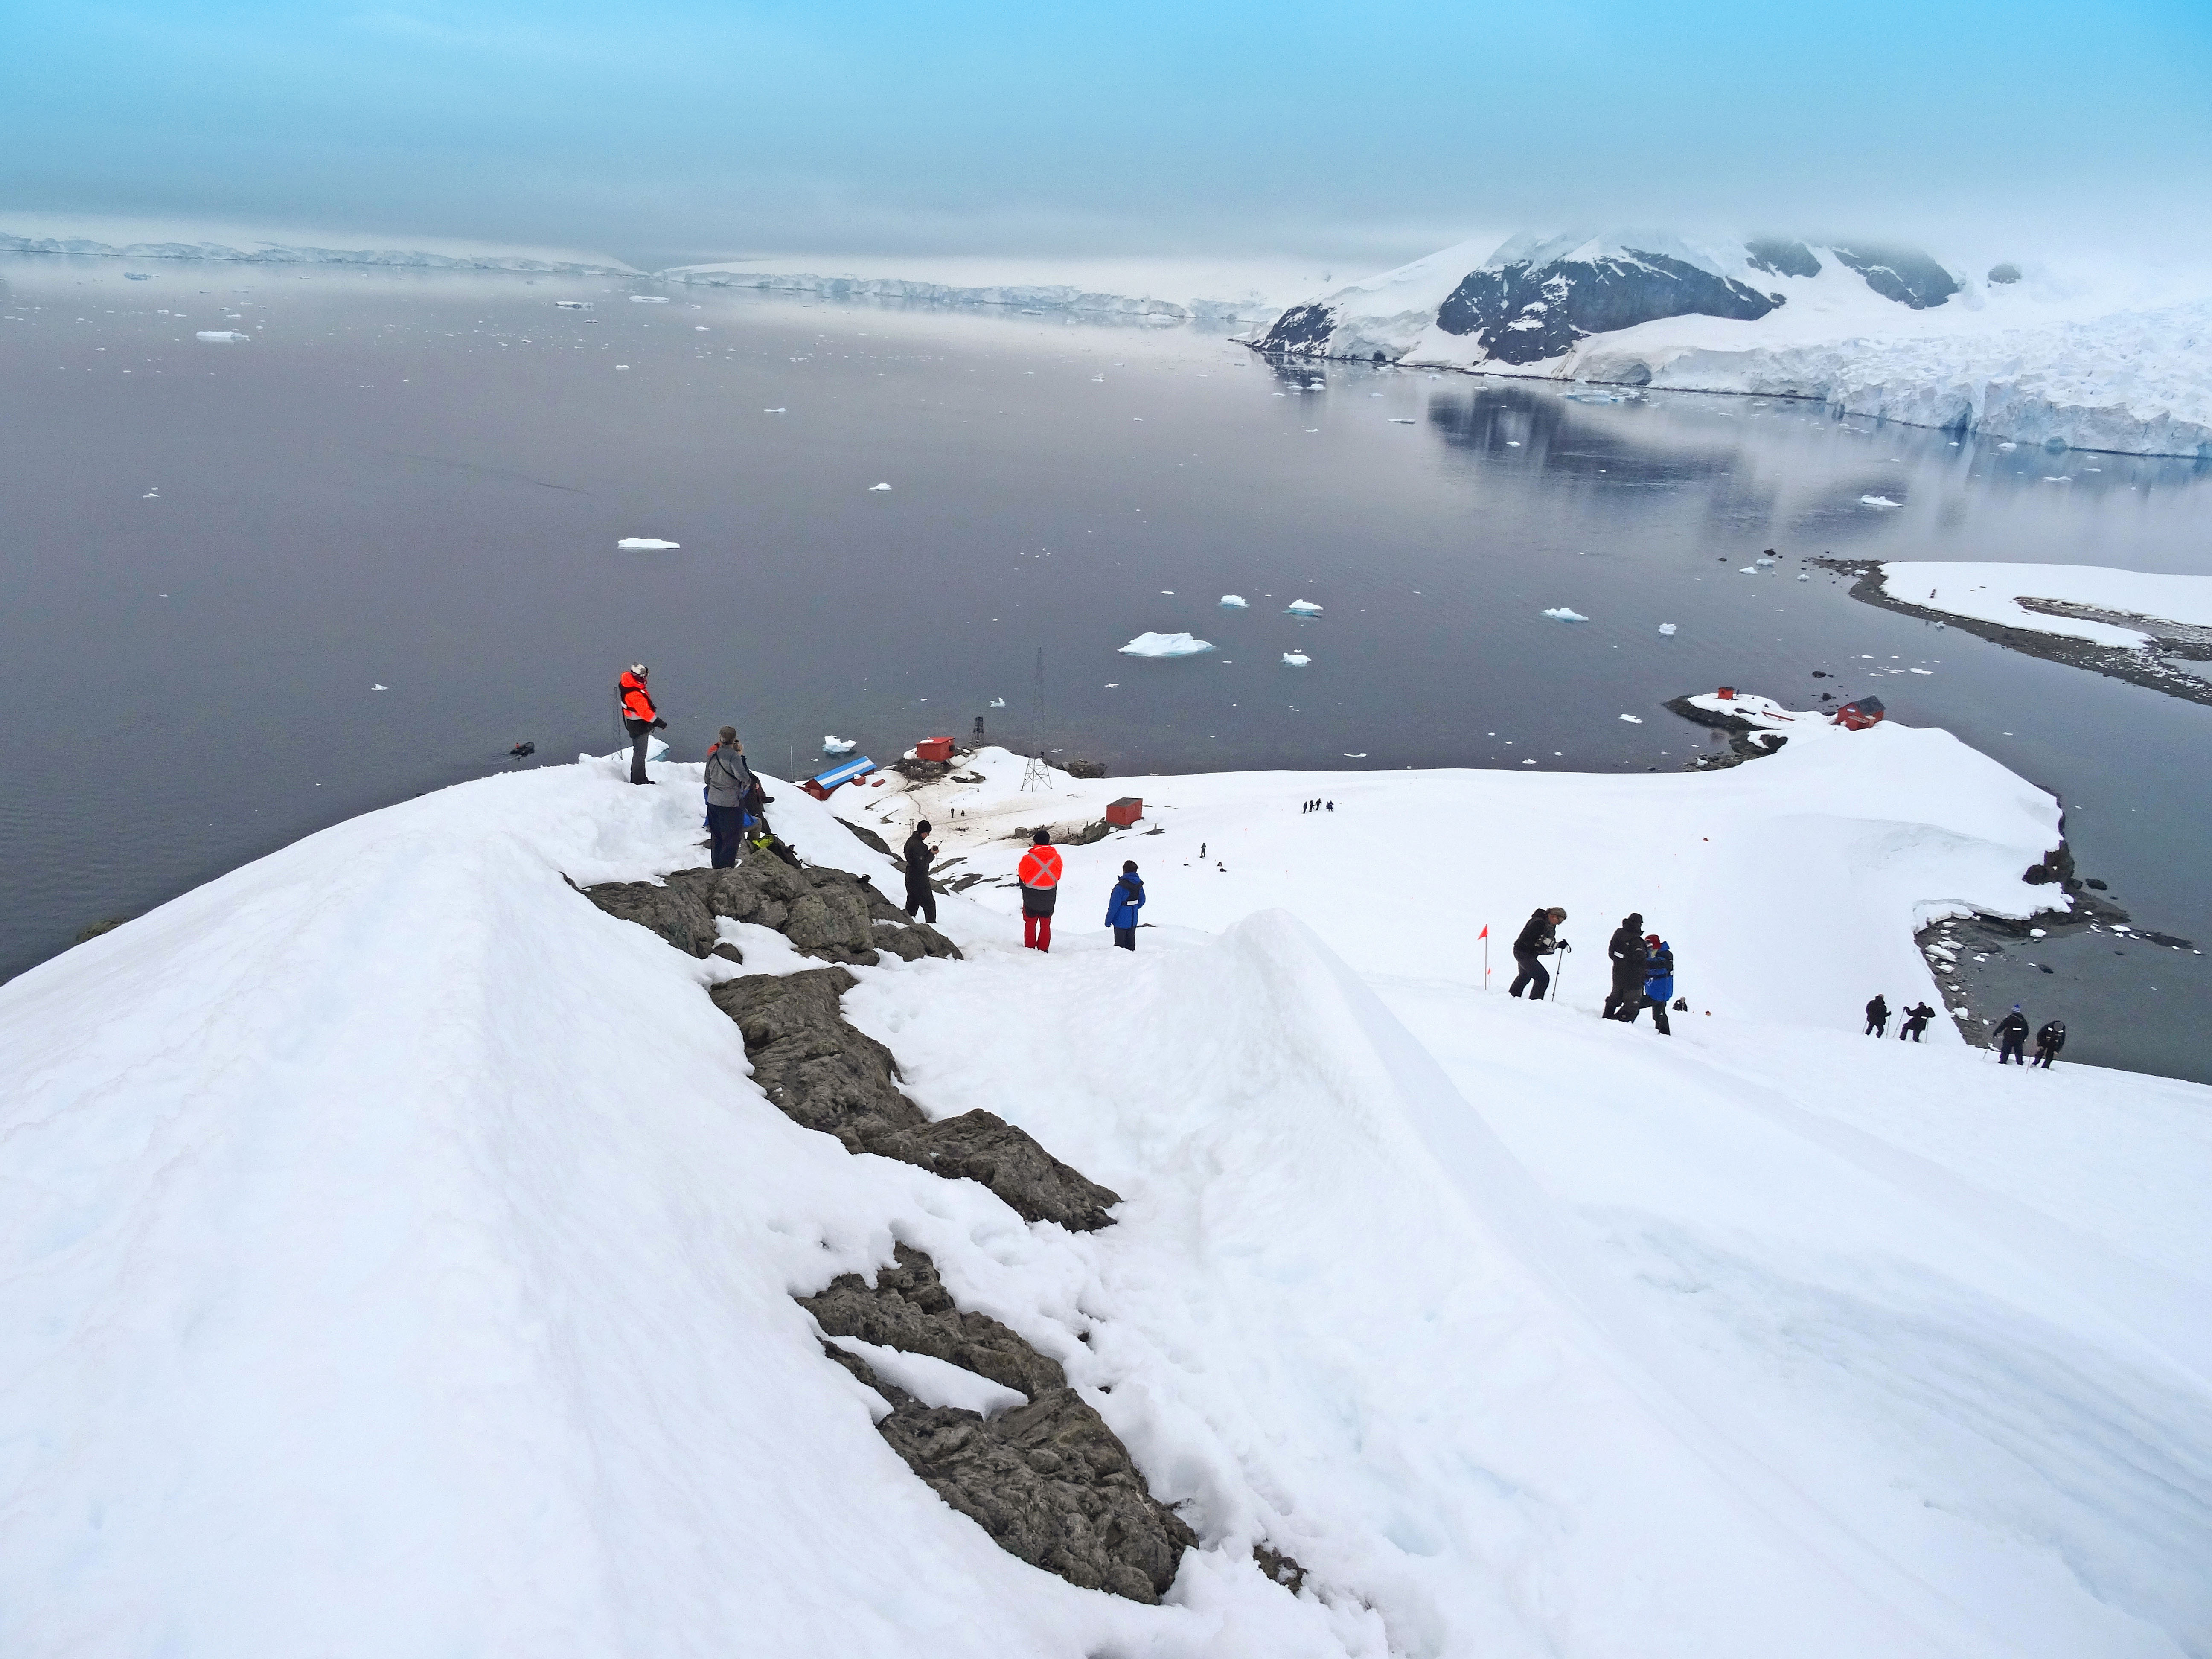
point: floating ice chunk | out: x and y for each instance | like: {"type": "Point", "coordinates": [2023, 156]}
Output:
{"type": "Point", "coordinates": [873, 488]}
{"type": "Point", "coordinates": [998, 702]}
{"type": "Point", "coordinates": [834, 744]}
{"type": "Point", "coordinates": [2058, 480]}
{"type": "Point", "coordinates": [138, 276]}
{"type": "Point", "coordinates": [222, 336]}
{"type": "Point", "coordinates": [646, 544]}
{"type": "Point", "coordinates": [1633, 720]}
{"type": "Point", "coordinates": [1166, 645]}
{"type": "Point", "coordinates": [2008, 445]}
{"type": "Point", "coordinates": [1233, 602]}
{"type": "Point", "coordinates": [1113, 685]}
{"type": "Point", "coordinates": [1562, 614]}
{"type": "Point", "coordinates": [380, 688]}
{"type": "Point", "coordinates": [1362, 755]}
{"type": "Point", "coordinates": [1296, 659]}
{"type": "Point", "coordinates": [1667, 630]}
{"type": "Point", "coordinates": [1762, 562]}
{"type": "Point", "coordinates": [1879, 500]}
{"type": "Point", "coordinates": [1920, 670]}
{"type": "Point", "coordinates": [1404, 420]}
{"type": "Point", "coordinates": [1804, 575]}
{"type": "Point", "coordinates": [775, 411]}
{"type": "Point", "coordinates": [1749, 570]}
{"type": "Point", "coordinates": [572, 305]}
{"type": "Point", "coordinates": [648, 299]}
{"type": "Point", "coordinates": [1302, 608]}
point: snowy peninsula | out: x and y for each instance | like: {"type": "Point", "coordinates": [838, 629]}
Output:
{"type": "Point", "coordinates": [401, 1246]}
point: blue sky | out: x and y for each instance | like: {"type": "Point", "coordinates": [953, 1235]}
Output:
{"type": "Point", "coordinates": [659, 130]}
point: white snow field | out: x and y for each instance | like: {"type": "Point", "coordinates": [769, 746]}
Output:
{"type": "Point", "coordinates": [1993, 593]}
{"type": "Point", "coordinates": [396, 1255]}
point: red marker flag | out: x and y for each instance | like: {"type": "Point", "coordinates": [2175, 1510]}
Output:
{"type": "Point", "coordinates": [1485, 934]}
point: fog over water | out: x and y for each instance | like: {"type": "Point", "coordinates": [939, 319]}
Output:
{"type": "Point", "coordinates": [214, 552]}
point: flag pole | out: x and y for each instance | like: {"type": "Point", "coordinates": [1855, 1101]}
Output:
{"type": "Point", "coordinates": [1485, 955]}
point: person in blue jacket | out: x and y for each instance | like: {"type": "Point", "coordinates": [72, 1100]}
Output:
{"type": "Point", "coordinates": [1122, 909]}
{"type": "Point", "coordinates": [1658, 982]}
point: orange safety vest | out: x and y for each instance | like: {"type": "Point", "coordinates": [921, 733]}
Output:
{"type": "Point", "coordinates": [1040, 867]}
{"type": "Point", "coordinates": [635, 704]}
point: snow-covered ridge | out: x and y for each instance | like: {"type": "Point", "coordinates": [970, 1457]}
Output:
{"type": "Point", "coordinates": [279, 254]}
{"type": "Point", "coordinates": [2007, 594]}
{"type": "Point", "coordinates": [1890, 333]}
{"type": "Point", "coordinates": [1040, 297]}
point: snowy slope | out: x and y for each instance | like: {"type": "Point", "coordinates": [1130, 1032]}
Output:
{"type": "Point", "coordinates": [397, 1256]}
{"type": "Point", "coordinates": [1993, 593]}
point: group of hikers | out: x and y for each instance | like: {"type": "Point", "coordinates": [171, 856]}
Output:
{"type": "Point", "coordinates": [1039, 876]}
{"type": "Point", "coordinates": [1643, 967]}
{"type": "Point", "coordinates": [2011, 1032]}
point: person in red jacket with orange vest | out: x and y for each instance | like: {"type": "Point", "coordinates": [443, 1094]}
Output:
{"type": "Point", "coordinates": [639, 716]}
{"type": "Point", "coordinates": [1039, 874]}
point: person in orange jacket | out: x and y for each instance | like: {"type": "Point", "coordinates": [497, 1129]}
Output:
{"type": "Point", "coordinates": [1039, 874]}
{"type": "Point", "coordinates": [639, 717]}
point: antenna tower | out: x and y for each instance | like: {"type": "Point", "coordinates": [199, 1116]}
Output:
{"type": "Point", "coordinates": [1033, 775]}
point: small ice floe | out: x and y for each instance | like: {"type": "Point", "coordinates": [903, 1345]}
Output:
{"type": "Point", "coordinates": [1513, 443]}
{"type": "Point", "coordinates": [1296, 659]}
{"type": "Point", "coordinates": [1804, 575]}
{"type": "Point", "coordinates": [1302, 608]}
{"type": "Point", "coordinates": [998, 702]}
{"type": "Point", "coordinates": [2008, 445]}
{"type": "Point", "coordinates": [834, 744]}
{"type": "Point", "coordinates": [1920, 670]}
{"type": "Point", "coordinates": [1166, 645]}
{"type": "Point", "coordinates": [646, 544]}
{"type": "Point", "coordinates": [621, 366]}
{"type": "Point", "coordinates": [873, 488]}
{"type": "Point", "coordinates": [1401, 420]}
{"type": "Point", "coordinates": [380, 688]}
{"type": "Point", "coordinates": [1747, 570]}
{"type": "Point", "coordinates": [138, 276]}
{"type": "Point", "coordinates": [1560, 613]}
{"type": "Point", "coordinates": [1666, 630]}
{"type": "Point", "coordinates": [1878, 501]}
{"type": "Point", "coordinates": [775, 411]}
{"type": "Point", "coordinates": [222, 336]}
{"type": "Point", "coordinates": [1233, 602]}
{"type": "Point", "coordinates": [701, 328]}
{"type": "Point", "coordinates": [648, 299]}
{"type": "Point", "coordinates": [1113, 685]}
{"type": "Point", "coordinates": [1362, 755]}
{"type": "Point", "coordinates": [1764, 560]}
{"type": "Point", "coordinates": [2058, 480]}
{"type": "Point", "coordinates": [572, 305]}
{"type": "Point", "coordinates": [1633, 720]}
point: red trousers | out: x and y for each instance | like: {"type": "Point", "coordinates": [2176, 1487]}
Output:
{"type": "Point", "coordinates": [1036, 932]}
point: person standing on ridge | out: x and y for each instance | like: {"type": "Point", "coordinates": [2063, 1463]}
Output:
{"type": "Point", "coordinates": [919, 855]}
{"type": "Point", "coordinates": [1039, 874]}
{"type": "Point", "coordinates": [1877, 1014]}
{"type": "Point", "coordinates": [639, 717]}
{"type": "Point", "coordinates": [1626, 949]}
{"type": "Point", "coordinates": [2012, 1036]}
{"type": "Point", "coordinates": [729, 782]}
{"type": "Point", "coordinates": [1658, 983]}
{"type": "Point", "coordinates": [2048, 1042]}
{"type": "Point", "coordinates": [1127, 898]}
{"type": "Point", "coordinates": [1916, 1021]}
{"type": "Point", "coordinates": [1536, 940]}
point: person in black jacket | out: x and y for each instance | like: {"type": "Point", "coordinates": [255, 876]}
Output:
{"type": "Point", "coordinates": [1537, 939]}
{"type": "Point", "coordinates": [919, 856]}
{"type": "Point", "coordinates": [1878, 1016]}
{"type": "Point", "coordinates": [1916, 1021]}
{"type": "Point", "coordinates": [2048, 1042]}
{"type": "Point", "coordinates": [1627, 949]}
{"type": "Point", "coordinates": [2012, 1036]}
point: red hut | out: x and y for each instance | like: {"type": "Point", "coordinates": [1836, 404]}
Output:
{"type": "Point", "coordinates": [1125, 811]}
{"type": "Point", "coordinates": [1859, 716]}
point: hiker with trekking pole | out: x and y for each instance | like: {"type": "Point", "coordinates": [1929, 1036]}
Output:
{"type": "Point", "coordinates": [1536, 940]}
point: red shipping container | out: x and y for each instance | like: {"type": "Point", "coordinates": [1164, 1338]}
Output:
{"type": "Point", "coordinates": [935, 749]}
{"type": "Point", "coordinates": [1125, 811]}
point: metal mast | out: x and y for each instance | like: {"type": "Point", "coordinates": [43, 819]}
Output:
{"type": "Point", "coordinates": [1033, 775]}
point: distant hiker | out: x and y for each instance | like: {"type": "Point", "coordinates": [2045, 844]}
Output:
{"type": "Point", "coordinates": [729, 782]}
{"type": "Point", "coordinates": [1877, 1012]}
{"type": "Point", "coordinates": [919, 856]}
{"type": "Point", "coordinates": [1331, 807]}
{"type": "Point", "coordinates": [1537, 939]}
{"type": "Point", "coordinates": [1916, 1021]}
{"type": "Point", "coordinates": [1658, 982]}
{"type": "Point", "coordinates": [1039, 874]}
{"type": "Point", "coordinates": [639, 717]}
{"type": "Point", "coordinates": [2049, 1041]}
{"type": "Point", "coordinates": [2012, 1036]}
{"type": "Point", "coordinates": [1127, 898]}
{"type": "Point", "coordinates": [1201, 850]}
{"type": "Point", "coordinates": [1626, 949]}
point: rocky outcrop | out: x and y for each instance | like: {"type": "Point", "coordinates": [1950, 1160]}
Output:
{"type": "Point", "coordinates": [1780, 256]}
{"type": "Point", "coordinates": [832, 915]}
{"type": "Point", "coordinates": [1049, 1481]}
{"type": "Point", "coordinates": [1746, 741]}
{"type": "Point", "coordinates": [1903, 274]}
{"type": "Point", "coordinates": [1523, 312]}
{"type": "Point", "coordinates": [820, 1072]}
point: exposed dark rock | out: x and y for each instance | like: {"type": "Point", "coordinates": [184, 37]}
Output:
{"type": "Point", "coordinates": [908, 1308]}
{"type": "Point", "coordinates": [821, 1071]}
{"type": "Point", "coordinates": [1280, 1567]}
{"type": "Point", "coordinates": [1781, 256]}
{"type": "Point", "coordinates": [867, 837]}
{"type": "Point", "coordinates": [106, 925]}
{"type": "Point", "coordinates": [829, 914]}
{"type": "Point", "coordinates": [1049, 1480]}
{"type": "Point", "coordinates": [1746, 741]}
{"type": "Point", "coordinates": [921, 771]}
{"type": "Point", "coordinates": [1086, 768]}
{"type": "Point", "coordinates": [1303, 331]}
{"type": "Point", "coordinates": [2004, 273]}
{"type": "Point", "coordinates": [1524, 313]}
{"type": "Point", "coordinates": [1096, 830]}
{"type": "Point", "coordinates": [1903, 274]}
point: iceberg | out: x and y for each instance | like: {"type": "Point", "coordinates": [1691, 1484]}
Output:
{"type": "Point", "coordinates": [1166, 645]}
{"type": "Point", "coordinates": [1302, 608]}
{"type": "Point", "coordinates": [646, 544]}
{"type": "Point", "coordinates": [834, 744]}
{"type": "Point", "coordinates": [1879, 500]}
{"type": "Point", "coordinates": [1562, 614]}
{"type": "Point", "coordinates": [1666, 630]}
{"type": "Point", "coordinates": [1232, 602]}
{"type": "Point", "coordinates": [875, 487]}
{"type": "Point", "coordinates": [998, 702]}
{"type": "Point", "coordinates": [1296, 659]}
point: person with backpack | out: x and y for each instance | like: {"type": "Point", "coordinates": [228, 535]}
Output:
{"type": "Point", "coordinates": [1626, 948]}
{"type": "Point", "coordinates": [1877, 1014]}
{"type": "Point", "coordinates": [729, 782]}
{"type": "Point", "coordinates": [1127, 898]}
{"type": "Point", "coordinates": [1658, 982]}
{"type": "Point", "coordinates": [2012, 1036]}
{"type": "Point", "coordinates": [1916, 1021]}
{"type": "Point", "coordinates": [1539, 938]}
{"type": "Point", "coordinates": [919, 855]}
{"type": "Point", "coordinates": [639, 717]}
{"type": "Point", "coordinates": [1039, 874]}
{"type": "Point", "coordinates": [2048, 1042]}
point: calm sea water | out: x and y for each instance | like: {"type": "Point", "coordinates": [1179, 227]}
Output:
{"type": "Point", "coordinates": [212, 553]}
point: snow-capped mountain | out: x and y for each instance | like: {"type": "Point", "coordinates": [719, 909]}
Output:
{"type": "Point", "coordinates": [1875, 330]}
